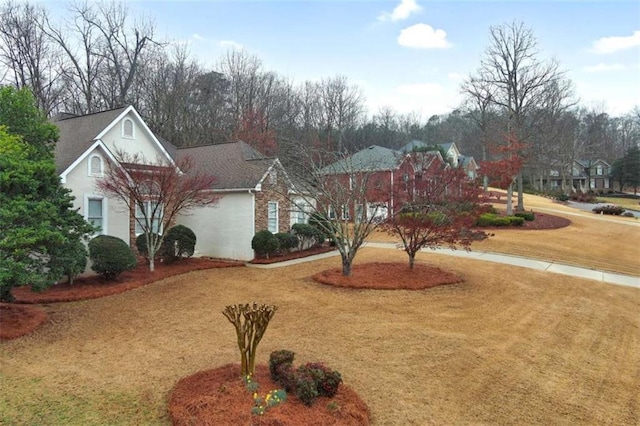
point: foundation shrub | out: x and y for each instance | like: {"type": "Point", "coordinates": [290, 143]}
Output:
{"type": "Point", "coordinates": [287, 241]}
{"type": "Point", "coordinates": [264, 243]}
{"type": "Point", "coordinates": [277, 359]}
{"type": "Point", "coordinates": [325, 379]}
{"type": "Point", "coordinates": [141, 246]}
{"type": "Point", "coordinates": [307, 235]}
{"type": "Point", "coordinates": [110, 256]}
{"type": "Point", "coordinates": [179, 243]}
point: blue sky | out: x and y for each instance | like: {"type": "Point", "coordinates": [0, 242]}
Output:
{"type": "Point", "coordinates": [412, 54]}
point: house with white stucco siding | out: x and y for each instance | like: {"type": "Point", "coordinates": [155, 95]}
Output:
{"type": "Point", "coordinates": [251, 186]}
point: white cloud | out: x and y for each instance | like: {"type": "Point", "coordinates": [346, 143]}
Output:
{"type": "Point", "coordinates": [230, 44]}
{"type": "Point", "coordinates": [401, 11]}
{"type": "Point", "coordinates": [615, 44]}
{"type": "Point", "coordinates": [455, 76]}
{"type": "Point", "coordinates": [198, 37]}
{"type": "Point", "coordinates": [422, 36]}
{"type": "Point", "coordinates": [604, 67]}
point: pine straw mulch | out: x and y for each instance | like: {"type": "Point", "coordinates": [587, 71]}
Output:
{"type": "Point", "coordinates": [219, 397]}
{"type": "Point", "coordinates": [388, 276]}
{"type": "Point", "coordinates": [96, 286]}
{"type": "Point", "coordinates": [18, 319]}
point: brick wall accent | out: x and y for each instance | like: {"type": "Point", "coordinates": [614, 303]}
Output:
{"type": "Point", "coordinates": [273, 192]}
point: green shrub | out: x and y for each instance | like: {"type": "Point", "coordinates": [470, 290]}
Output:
{"type": "Point", "coordinates": [306, 389]}
{"type": "Point", "coordinates": [265, 243]}
{"type": "Point", "coordinates": [307, 235]}
{"type": "Point", "coordinates": [278, 358]}
{"type": "Point", "coordinates": [528, 216]}
{"type": "Point", "coordinates": [180, 242]}
{"type": "Point", "coordinates": [322, 224]}
{"type": "Point", "coordinates": [287, 241]}
{"type": "Point", "coordinates": [490, 219]}
{"type": "Point", "coordinates": [141, 245]}
{"type": "Point", "coordinates": [609, 209]}
{"type": "Point", "coordinates": [70, 259]}
{"type": "Point", "coordinates": [326, 380]}
{"type": "Point", "coordinates": [110, 256]}
{"type": "Point", "coordinates": [562, 197]}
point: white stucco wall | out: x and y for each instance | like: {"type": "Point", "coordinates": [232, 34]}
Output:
{"type": "Point", "coordinates": [142, 143]}
{"type": "Point", "coordinates": [83, 187]}
{"type": "Point", "coordinates": [226, 229]}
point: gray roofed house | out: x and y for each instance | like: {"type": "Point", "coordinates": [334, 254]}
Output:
{"type": "Point", "coordinates": [251, 186]}
{"type": "Point", "coordinates": [369, 159]}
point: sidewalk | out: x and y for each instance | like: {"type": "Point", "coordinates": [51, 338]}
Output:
{"type": "Point", "coordinates": [523, 262]}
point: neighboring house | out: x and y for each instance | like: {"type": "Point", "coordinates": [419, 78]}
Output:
{"type": "Point", "coordinates": [250, 185]}
{"type": "Point", "coordinates": [451, 152]}
{"type": "Point", "coordinates": [390, 178]}
{"type": "Point", "coordinates": [582, 176]}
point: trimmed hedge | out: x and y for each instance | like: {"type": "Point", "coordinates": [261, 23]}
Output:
{"type": "Point", "coordinates": [287, 241]}
{"type": "Point", "coordinates": [609, 209]}
{"type": "Point", "coordinates": [265, 243]}
{"type": "Point", "coordinates": [490, 219]}
{"type": "Point", "coordinates": [180, 242]}
{"type": "Point", "coordinates": [528, 216]}
{"type": "Point", "coordinates": [110, 256]}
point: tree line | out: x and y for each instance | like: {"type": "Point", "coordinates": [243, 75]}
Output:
{"type": "Point", "coordinates": [99, 57]}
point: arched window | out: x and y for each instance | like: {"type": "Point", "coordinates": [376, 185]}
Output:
{"type": "Point", "coordinates": [95, 165]}
{"type": "Point", "coordinates": [128, 130]}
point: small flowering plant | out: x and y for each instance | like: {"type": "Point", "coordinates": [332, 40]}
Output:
{"type": "Point", "coordinates": [261, 404]}
{"type": "Point", "coordinates": [272, 399]}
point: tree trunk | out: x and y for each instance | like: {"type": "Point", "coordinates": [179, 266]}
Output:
{"type": "Point", "coordinates": [152, 261]}
{"type": "Point", "coordinates": [346, 266]}
{"type": "Point", "coordinates": [520, 180]}
{"type": "Point", "coordinates": [412, 258]}
{"type": "Point", "coordinates": [509, 201]}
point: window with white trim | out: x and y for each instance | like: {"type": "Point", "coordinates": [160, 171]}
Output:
{"type": "Point", "coordinates": [301, 212]}
{"type": "Point", "coordinates": [344, 212]}
{"type": "Point", "coordinates": [153, 212]}
{"type": "Point", "coordinates": [95, 165]}
{"type": "Point", "coordinates": [599, 170]}
{"type": "Point", "coordinates": [272, 216]}
{"type": "Point", "coordinates": [128, 129]}
{"type": "Point", "coordinates": [331, 212]}
{"type": "Point", "coordinates": [359, 212]}
{"type": "Point", "coordinates": [95, 212]}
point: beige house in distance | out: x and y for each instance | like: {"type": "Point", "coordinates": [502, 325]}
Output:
{"type": "Point", "coordinates": [251, 186]}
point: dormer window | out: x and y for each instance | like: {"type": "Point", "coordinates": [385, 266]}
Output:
{"type": "Point", "coordinates": [95, 165]}
{"type": "Point", "coordinates": [273, 176]}
{"type": "Point", "coordinates": [128, 130]}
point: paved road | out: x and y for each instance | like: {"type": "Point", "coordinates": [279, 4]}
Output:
{"type": "Point", "coordinates": [523, 262]}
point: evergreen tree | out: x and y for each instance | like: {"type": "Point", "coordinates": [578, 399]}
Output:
{"type": "Point", "coordinates": [37, 222]}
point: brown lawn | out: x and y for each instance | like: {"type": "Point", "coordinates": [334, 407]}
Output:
{"type": "Point", "coordinates": [505, 346]}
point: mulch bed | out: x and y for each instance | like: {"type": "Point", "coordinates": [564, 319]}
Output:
{"type": "Point", "coordinates": [541, 221]}
{"type": "Point", "coordinates": [292, 255]}
{"type": "Point", "coordinates": [388, 276]}
{"type": "Point", "coordinates": [18, 320]}
{"type": "Point", "coordinates": [96, 286]}
{"type": "Point", "coordinates": [219, 397]}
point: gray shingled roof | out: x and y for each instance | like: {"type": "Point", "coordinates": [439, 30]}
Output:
{"type": "Point", "coordinates": [77, 134]}
{"type": "Point", "coordinates": [369, 159]}
{"type": "Point", "coordinates": [421, 144]}
{"type": "Point", "coordinates": [235, 165]}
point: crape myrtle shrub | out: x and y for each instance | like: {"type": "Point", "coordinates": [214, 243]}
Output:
{"type": "Point", "coordinates": [110, 256]}
{"type": "Point", "coordinates": [308, 381]}
{"type": "Point", "coordinates": [264, 243]}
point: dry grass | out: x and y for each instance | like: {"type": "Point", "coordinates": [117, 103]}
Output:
{"type": "Point", "coordinates": [608, 243]}
{"type": "Point", "coordinates": [507, 345]}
